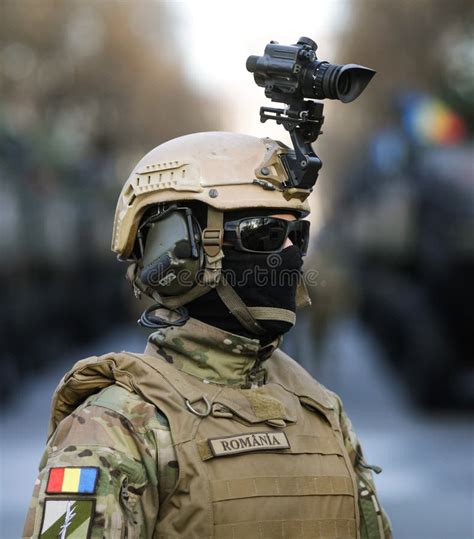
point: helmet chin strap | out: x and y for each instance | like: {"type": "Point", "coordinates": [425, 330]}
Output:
{"type": "Point", "coordinates": [237, 307]}
{"type": "Point", "coordinates": [249, 316]}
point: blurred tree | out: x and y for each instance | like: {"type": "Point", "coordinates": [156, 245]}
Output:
{"type": "Point", "coordinates": [87, 88]}
{"type": "Point", "coordinates": [95, 75]}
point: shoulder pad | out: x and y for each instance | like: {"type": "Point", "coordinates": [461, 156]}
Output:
{"type": "Point", "coordinates": [141, 414]}
{"type": "Point", "coordinates": [284, 370]}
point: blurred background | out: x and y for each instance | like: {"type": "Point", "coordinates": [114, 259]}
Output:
{"type": "Point", "coordinates": [88, 86]}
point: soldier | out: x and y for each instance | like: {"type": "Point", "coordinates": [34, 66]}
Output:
{"type": "Point", "coordinates": [213, 431]}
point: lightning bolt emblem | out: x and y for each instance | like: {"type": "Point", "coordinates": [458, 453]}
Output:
{"type": "Point", "coordinates": [70, 514]}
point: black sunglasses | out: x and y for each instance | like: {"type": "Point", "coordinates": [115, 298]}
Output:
{"type": "Point", "coordinates": [266, 234]}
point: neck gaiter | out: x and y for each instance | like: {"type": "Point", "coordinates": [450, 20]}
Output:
{"type": "Point", "coordinates": [261, 280]}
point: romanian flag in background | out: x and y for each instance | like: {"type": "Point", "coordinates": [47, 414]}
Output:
{"type": "Point", "coordinates": [431, 121]}
{"type": "Point", "coordinates": [72, 480]}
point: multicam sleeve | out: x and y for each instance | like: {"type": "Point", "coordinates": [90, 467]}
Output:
{"type": "Point", "coordinates": [374, 522]}
{"type": "Point", "coordinates": [99, 474]}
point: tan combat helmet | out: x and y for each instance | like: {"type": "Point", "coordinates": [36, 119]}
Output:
{"type": "Point", "coordinates": [225, 171]}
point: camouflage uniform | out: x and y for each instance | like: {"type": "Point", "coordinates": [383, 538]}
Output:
{"type": "Point", "coordinates": [129, 441]}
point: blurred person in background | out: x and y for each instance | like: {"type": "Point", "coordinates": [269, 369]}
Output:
{"type": "Point", "coordinates": [213, 431]}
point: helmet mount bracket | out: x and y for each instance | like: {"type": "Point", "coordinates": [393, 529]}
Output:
{"type": "Point", "coordinates": [303, 120]}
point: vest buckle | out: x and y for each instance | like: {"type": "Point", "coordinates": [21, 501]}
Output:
{"type": "Point", "coordinates": [193, 410]}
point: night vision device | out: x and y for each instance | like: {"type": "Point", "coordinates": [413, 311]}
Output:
{"type": "Point", "coordinates": [293, 75]}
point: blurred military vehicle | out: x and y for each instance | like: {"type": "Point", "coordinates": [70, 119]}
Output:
{"type": "Point", "coordinates": [87, 87]}
{"type": "Point", "coordinates": [396, 247]}
{"type": "Point", "coordinates": [399, 252]}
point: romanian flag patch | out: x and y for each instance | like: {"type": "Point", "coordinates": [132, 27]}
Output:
{"type": "Point", "coordinates": [76, 480]}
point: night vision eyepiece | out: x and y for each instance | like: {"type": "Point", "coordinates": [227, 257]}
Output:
{"type": "Point", "coordinates": [293, 71]}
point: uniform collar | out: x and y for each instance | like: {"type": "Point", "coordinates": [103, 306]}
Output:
{"type": "Point", "coordinates": [211, 354]}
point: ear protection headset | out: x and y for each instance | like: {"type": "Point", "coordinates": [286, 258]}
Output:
{"type": "Point", "coordinates": [169, 242]}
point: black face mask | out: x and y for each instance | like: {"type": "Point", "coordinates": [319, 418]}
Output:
{"type": "Point", "coordinates": [261, 280]}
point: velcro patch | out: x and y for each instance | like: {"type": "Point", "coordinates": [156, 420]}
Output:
{"type": "Point", "coordinates": [243, 443]}
{"type": "Point", "coordinates": [72, 480]}
{"type": "Point", "coordinates": [67, 519]}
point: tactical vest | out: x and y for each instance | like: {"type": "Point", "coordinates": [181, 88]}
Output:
{"type": "Point", "coordinates": [260, 463]}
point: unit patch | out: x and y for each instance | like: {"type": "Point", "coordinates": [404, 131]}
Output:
{"type": "Point", "coordinates": [67, 519]}
{"type": "Point", "coordinates": [75, 480]}
{"type": "Point", "coordinates": [242, 443]}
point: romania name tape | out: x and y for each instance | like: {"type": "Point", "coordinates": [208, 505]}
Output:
{"type": "Point", "coordinates": [257, 441]}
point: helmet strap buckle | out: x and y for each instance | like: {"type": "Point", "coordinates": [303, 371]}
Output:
{"type": "Point", "coordinates": [213, 234]}
{"type": "Point", "coordinates": [212, 239]}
